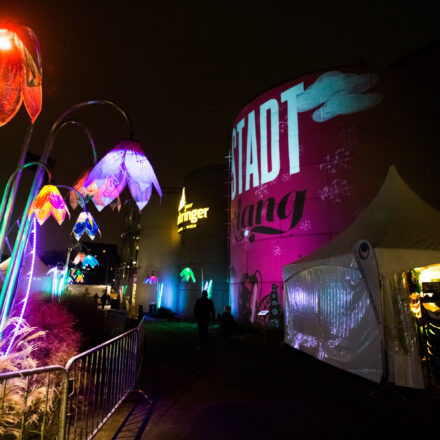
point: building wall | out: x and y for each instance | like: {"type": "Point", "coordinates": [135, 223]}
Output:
{"type": "Point", "coordinates": [159, 250]}
{"type": "Point", "coordinates": [204, 247]}
{"type": "Point", "coordinates": [309, 156]}
{"type": "Point", "coordinates": [164, 252]}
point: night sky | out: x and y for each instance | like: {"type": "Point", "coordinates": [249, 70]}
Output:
{"type": "Point", "coordinates": [182, 70]}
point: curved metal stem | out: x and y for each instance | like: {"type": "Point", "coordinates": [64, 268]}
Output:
{"type": "Point", "coordinates": [75, 107]}
{"type": "Point", "coordinates": [34, 39]}
{"type": "Point", "coordinates": [9, 286]}
{"type": "Point", "coordinates": [86, 132]}
{"type": "Point", "coordinates": [10, 193]}
{"type": "Point", "coordinates": [77, 193]}
{"type": "Point", "coordinates": [26, 165]}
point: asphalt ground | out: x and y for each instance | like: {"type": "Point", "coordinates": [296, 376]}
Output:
{"type": "Point", "coordinates": [256, 389]}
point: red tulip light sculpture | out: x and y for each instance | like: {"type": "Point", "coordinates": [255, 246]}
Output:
{"type": "Point", "coordinates": [125, 164]}
{"type": "Point", "coordinates": [20, 78]}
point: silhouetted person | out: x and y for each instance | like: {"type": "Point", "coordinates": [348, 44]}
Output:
{"type": "Point", "coordinates": [227, 324]}
{"type": "Point", "coordinates": [95, 298]}
{"type": "Point", "coordinates": [103, 300]}
{"type": "Point", "coordinates": [203, 311]}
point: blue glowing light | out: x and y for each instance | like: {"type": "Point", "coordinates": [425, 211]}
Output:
{"type": "Point", "coordinates": [91, 261]}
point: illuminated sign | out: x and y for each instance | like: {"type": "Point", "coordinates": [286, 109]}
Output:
{"type": "Point", "coordinates": [189, 216]}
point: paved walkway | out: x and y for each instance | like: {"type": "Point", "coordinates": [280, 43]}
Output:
{"type": "Point", "coordinates": [256, 390]}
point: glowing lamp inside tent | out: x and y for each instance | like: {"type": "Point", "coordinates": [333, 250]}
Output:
{"type": "Point", "coordinates": [49, 202]}
{"type": "Point", "coordinates": [187, 275]}
{"type": "Point", "coordinates": [20, 78]}
{"type": "Point", "coordinates": [85, 224]}
{"type": "Point", "coordinates": [125, 165]}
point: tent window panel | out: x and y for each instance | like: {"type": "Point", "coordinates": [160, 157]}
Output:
{"type": "Point", "coordinates": [329, 315]}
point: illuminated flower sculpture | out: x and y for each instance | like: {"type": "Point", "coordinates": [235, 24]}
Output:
{"type": "Point", "coordinates": [187, 274]}
{"type": "Point", "coordinates": [125, 164]}
{"type": "Point", "coordinates": [85, 224]}
{"type": "Point", "coordinates": [20, 78]}
{"type": "Point", "coordinates": [79, 258]}
{"type": "Point", "coordinates": [90, 261]}
{"type": "Point", "coordinates": [88, 193]}
{"type": "Point", "coordinates": [91, 192]}
{"type": "Point", "coordinates": [77, 276]}
{"type": "Point", "coordinates": [151, 279]}
{"type": "Point", "coordinates": [47, 202]}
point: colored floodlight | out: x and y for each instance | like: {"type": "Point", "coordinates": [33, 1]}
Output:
{"type": "Point", "coordinates": [208, 287]}
{"type": "Point", "coordinates": [125, 164]}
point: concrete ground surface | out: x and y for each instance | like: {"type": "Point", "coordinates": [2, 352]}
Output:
{"type": "Point", "coordinates": [255, 389]}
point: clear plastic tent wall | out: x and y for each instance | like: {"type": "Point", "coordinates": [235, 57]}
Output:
{"type": "Point", "coordinates": [329, 315]}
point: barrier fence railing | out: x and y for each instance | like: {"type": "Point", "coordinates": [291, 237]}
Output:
{"type": "Point", "coordinates": [33, 403]}
{"type": "Point", "coordinates": [75, 401]}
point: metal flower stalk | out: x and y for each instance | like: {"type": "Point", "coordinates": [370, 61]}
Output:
{"type": "Point", "coordinates": [9, 285]}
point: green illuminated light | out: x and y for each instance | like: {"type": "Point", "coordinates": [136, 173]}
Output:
{"type": "Point", "coordinates": [187, 274]}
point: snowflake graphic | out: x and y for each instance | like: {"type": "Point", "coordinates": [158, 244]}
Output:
{"type": "Point", "coordinates": [348, 135]}
{"type": "Point", "coordinates": [336, 162]}
{"type": "Point", "coordinates": [336, 191]}
{"type": "Point", "coordinates": [285, 177]}
{"type": "Point", "coordinates": [306, 226]}
{"type": "Point", "coordinates": [262, 191]}
{"type": "Point", "coordinates": [277, 250]}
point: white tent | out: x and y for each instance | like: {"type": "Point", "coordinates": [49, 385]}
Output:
{"type": "Point", "coordinates": [348, 305]}
{"type": "Point", "coordinates": [41, 282]}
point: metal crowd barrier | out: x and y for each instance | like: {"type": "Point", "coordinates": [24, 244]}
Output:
{"type": "Point", "coordinates": [72, 402]}
{"type": "Point", "coordinates": [33, 403]}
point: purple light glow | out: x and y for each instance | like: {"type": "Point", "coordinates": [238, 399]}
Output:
{"type": "Point", "coordinates": [125, 164]}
